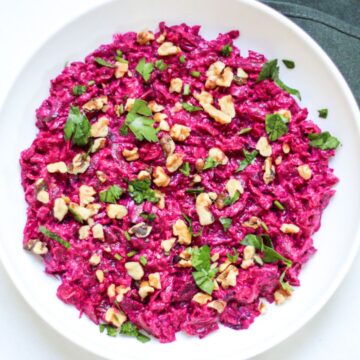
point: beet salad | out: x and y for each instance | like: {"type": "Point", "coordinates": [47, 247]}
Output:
{"type": "Point", "coordinates": [175, 184]}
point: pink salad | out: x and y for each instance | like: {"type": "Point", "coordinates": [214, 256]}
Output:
{"type": "Point", "coordinates": [175, 184]}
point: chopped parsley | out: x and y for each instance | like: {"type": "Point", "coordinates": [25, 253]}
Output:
{"type": "Point", "coordinates": [110, 330]}
{"type": "Point", "coordinates": [190, 222]}
{"type": "Point", "coordinates": [279, 205]}
{"type": "Point", "coordinates": [138, 120]}
{"type": "Point", "coordinates": [143, 260]}
{"type": "Point", "coordinates": [130, 329]}
{"type": "Point", "coordinates": [226, 50]}
{"type": "Point", "coordinates": [148, 216]}
{"type": "Point", "coordinates": [324, 141]}
{"type": "Point", "coordinates": [77, 127]}
{"type": "Point", "coordinates": [323, 113]}
{"type": "Point", "coordinates": [185, 169]}
{"type": "Point", "coordinates": [145, 69]}
{"type": "Point", "coordinates": [103, 62]}
{"type": "Point", "coordinates": [249, 158]}
{"type": "Point", "coordinates": [111, 195]}
{"type": "Point", "coordinates": [225, 222]}
{"type": "Point", "coordinates": [160, 64]}
{"type": "Point", "coordinates": [210, 163]}
{"type": "Point", "coordinates": [276, 126]}
{"type": "Point", "coordinates": [203, 276]}
{"type": "Point", "coordinates": [195, 74]}
{"type": "Point", "coordinates": [232, 199]}
{"type": "Point", "coordinates": [91, 83]}
{"type": "Point", "coordinates": [244, 131]}
{"type": "Point", "coordinates": [289, 64]}
{"type": "Point", "coordinates": [79, 90]}
{"type": "Point", "coordinates": [270, 70]}
{"type": "Point", "coordinates": [233, 258]}
{"type": "Point", "coordinates": [54, 236]}
{"type": "Point", "coordinates": [131, 253]}
{"type": "Point", "coordinates": [140, 191]}
{"type": "Point", "coordinates": [186, 90]}
{"type": "Point", "coordinates": [190, 108]}
{"type": "Point", "coordinates": [182, 59]}
{"type": "Point", "coordinates": [118, 257]}
{"type": "Point", "coordinates": [198, 190]}
{"type": "Point", "coordinates": [127, 235]}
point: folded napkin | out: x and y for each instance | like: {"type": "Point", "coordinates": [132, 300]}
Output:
{"type": "Point", "coordinates": [335, 25]}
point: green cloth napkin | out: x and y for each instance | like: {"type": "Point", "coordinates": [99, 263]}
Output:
{"type": "Point", "coordinates": [335, 25]}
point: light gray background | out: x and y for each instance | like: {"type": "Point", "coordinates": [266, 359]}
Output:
{"type": "Point", "coordinates": [333, 334]}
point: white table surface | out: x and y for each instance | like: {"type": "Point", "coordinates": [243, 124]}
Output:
{"type": "Point", "coordinates": [333, 334]}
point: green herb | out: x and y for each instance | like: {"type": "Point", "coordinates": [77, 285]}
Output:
{"type": "Point", "coordinates": [110, 330]}
{"type": "Point", "coordinates": [118, 257]}
{"type": "Point", "coordinates": [270, 70]}
{"type": "Point", "coordinates": [264, 226]}
{"type": "Point", "coordinates": [103, 62]}
{"type": "Point", "coordinates": [190, 222]}
{"type": "Point", "coordinates": [140, 191]}
{"type": "Point", "coordinates": [210, 163]}
{"type": "Point", "coordinates": [139, 122]}
{"type": "Point", "coordinates": [131, 253]}
{"type": "Point", "coordinates": [198, 190]}
{"type": "Point", "coordinates": [119, 53]}
{"type": "Point", "coordinates": [119, 110]}
{"type": "Point", "coordinates": [324, 141]}
{"type": "Point", "coordinates": [190, 108]}
{"type": "Point", "coordinates": [143, 260]}
{"type": "Point", "coordinates": [289, 63]}
{"type": "Point", "coordinates": [148, 216]}
{"type": "Point", "coordinates": [76, 215]}
{"type": "Point", "coordinates": [226, 50]}
{"type": "Point", "coordinates": [279, 205]}
{"type": "Point", "coordinates": [129, 329]}
{"type": "Point", "coordinates": [269, 254]}
{"type": "Point", "coordinates": [111, 195]}
{"type": "Point", "coordinates": [185, 169]}
{"type": "Point", "coordinates": [244, 131]}
{"type": "Point", "coordinates": [232, 199]}
{"type": "Point", "coordinates": [79, 90]}
{"type": "Point", "coordinates": [186, 90]}
{"type": "Point", "coordinates": [145, 69]}
{"type": "Point", "coordinates": [225, 222]}
{"type": "Point", "coordinates": [248, 160]}
{"type": "Point", "coordinates": [276, 126]}
{"type": "Point", "coordinates": [284, 284]}
{"type": "Point", "coordinates": [203, 276]}
{"type": "Point", "coordinates": [124, 130]}
{"type": "Point", "coordinates": [77, 127]}
{"type": "Point", "coordinates": [127, 235]}
{"type": "Point", "coordinates": [160, 64]}
{"type": "Point", "coordinates": [91, 83]}
{"type": "Point", "coordinates": [323, 113]}
{"type": "Point", "coordinates": [195, 74]}
{"type": "Point", "coordinates": [182, 59]}
{"type": "Point", "coordinates": [54, 236]}
{"type": "Point", "coordinates": [233, 258]}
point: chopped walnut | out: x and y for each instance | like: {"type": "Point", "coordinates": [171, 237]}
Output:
{"type": "Point", "coordinates": [80, 212]}
{"type": "Point", "coordinates": [180, 132]}
{"type": "Point", "coordinates": [248, 257]}
{"type": "Point", "coordinates": [218, 305]}
{"type": "Point", "coordinates": [39, 248]}
{"type": "Point", "coordinates": [95, 259]}
{"type": "Point", "coordinates": [168, 244]}
{"type": "Point", "coordinates": [286, 148]}
{"type": "Point", "coordinates": [168, 48]}
{"type": "Point", "coordinates": [278, 160]}
{"type": "Point", "coordinates": [98, 144]}
{"type": "Point", "coordinates": [43, 196]}
{"type": "Point", "coordinates": [154, 280]}
{"type": "Point", "coordinates": [228, 277]}
{"type": "Point", "coordinates": [131, 155]}
{"type": "Point", "coordinates": [57, 167]}
{"type": "Point", "coordinates": [115, 317]}
{"type": "Point", "coordinates": [264, 147]}
{"type": "Point", "coordinates": [281, 295]}
{"type": "Point", "coordinates": [269, 174]}
{"type": "Point", "coordinates": [101, 176]}
{"type": "Point", "coordinates": [241, 77]}
{"type": "Point", "coordinates": [134, 270]}
{"type": "Point", "coordinates": [80, 164]}
{"type": "Point", "coordinates": [60, 209]}
{"type": "Point", "coordinates": [115, 211]}
{"type": "Point", "coordinates": [254, 223]}
{"type": "Point", "coordinates": [100, 275]}
{"type": "Point", "coordinates": [144, 37]}
{"type": "Point", "coordinates": [86, 194]}
{"type": "Point", "coordinates": [93, 208]}
{"type": "Point", "coordinates": [289, 228]}
{"type": "Point", "coordinates": [121, 68]}
{"type": "Point", "coordinates": [305, 171]}
{"type": "Point", "coordinates": [204, 98]}
{"type": "Point", "coordinates": [155, 107]}
{"type": "Point", "coordinates": [161, 38]}
{"type": "Point", "coordinates": [95, 104]}
{"type": "Point", "coordinates": [167, 144]}
{"type": "Point", "coordinates": [203, 203]}
{"type": "Point", "coordinates": [218, 75]}
{"type": "Point", "coordinates": [173, 162]}
{"type": "Point", "coordinates": [129, 104]}
{"type": "Point", "coordinates": [161, 196]}
{"type": "Point", "coordinates": [161, 179]}
{"type": "Point", "coordinates": [218, 155]}
{"type": "Point", "coordinates": [121, 291]}
{"type": "Point", "coordinates": [164, 125]}
{"type": "Point", "coordinates": [158, 117]}
{"type": "Point", "coordinates": [201, 298]}
{"type": "Point", "coordinates": [145, 289]}
{"type": "Point", "coordinates": [233, 186]}
{"type": "Point", "coordinates": [98, 232]}
{"type": "Point", "coordinates": [143, 174]}
{"type": "Point", "coordinates": [181, 230]}
{"type": "Point", "coordinates": [140, 230]}
{"type": "Point", "coordinates": [100, 128]}
{"type": "Point", "coordinates": [218, 115]}
{"type": "Point", "coordinates": [226, 104]}
{"type": "Point", "coordinates": [176, 85]}
{"type": "Point", "coordinates": [84, 232]}
{"type": "Point", "coordinates": [199, 165]}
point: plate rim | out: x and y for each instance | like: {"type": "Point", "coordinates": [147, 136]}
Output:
{"type": "Point", "coordinates": [353, 107]}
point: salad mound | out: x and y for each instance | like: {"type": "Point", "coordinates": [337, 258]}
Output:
{"type": "Point", "coordinates": [174, 184]}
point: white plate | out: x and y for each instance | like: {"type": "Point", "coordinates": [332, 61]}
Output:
{"type": "Point", "coordinates": [321, 85]}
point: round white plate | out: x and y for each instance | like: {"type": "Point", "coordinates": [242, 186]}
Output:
{"type": "Point", "coordinates": [321, 85]}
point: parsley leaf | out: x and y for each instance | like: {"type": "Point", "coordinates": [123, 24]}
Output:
{"type": "Point", "coordinates": [124, 130]}
{"type": "Point", "coordinates": [279, 205]}
{"type": "Point", "coordinates": [187, 218]}
{"type": "Point", "coordinates": [103, 62]}
{"type": "Point", "coordinates": [143, 260]}
{"type": "Point", "coordinates": [276, 126]}
{"type": "Point", "coordinates": [140, 191]}
{"type": "Point", "coordinates": [200, 258]}
{"type": "Point", "coordinates": [160, 64]}
{"type": "Point", "coordinates": [324, 141]}
{"type": "Point", "coordinates": [77, 127]}
{"type": "Point", "coordinates": [248, 160]}
{"type": "Point", "coordinates": [54, 236]}
{"type": "Point", "coordinates": [111, 195]}
{"type": "Point", "coordinates": [226, 50]}
{"type": "Point", "coordinates": [186, 90]}
{"type": "Point", "coordinates": [185, 169]}
{"type": "Point", "coordinates": [131, 253]}
{"type": "Point", "coordinates": [145, 69]}
{"type": "Point", "coordinates": [148, 216]}
{"type": "Point", "coordinates": [289, 63]}
{"type": "Point", "coordinates": [198, 190]}
{"type": "Point", "coordinates": [195, 74]}
{"type": "Point", "coordinates": [284, 284]}
{"type": "Point", "coordinates": [130, 329]}
{"type": "Point", "coordinates": [232, 199]}
{"type": "Point", "coordinates": [225, 222]}
{"type": "Point", "coordinates": [244, 131]}
{"type": "Point", "coordinates": [210, 163]}
{"type": "Point", "coordinates": [323, 113]}
{"type": "Point", "coordinates": [270, 70]}
{"type": "Point", "coordinates": [182, 59]}
{"type": "Point", "coordinates": [110, 330]}
{"type": "Point", "coordinates": [190, 108]}
{"type": "Point", "coordinates": [205, 280]}
{"type": "Point", "coordinates": [233, 258]}
{"type": "Point", "coordinates": [139, 123]}
{"type": "Point", "coordinates": [79, 90]}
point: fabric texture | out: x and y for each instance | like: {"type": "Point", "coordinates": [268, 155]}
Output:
{"type": "Point", "coordinates": [335, 25]}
